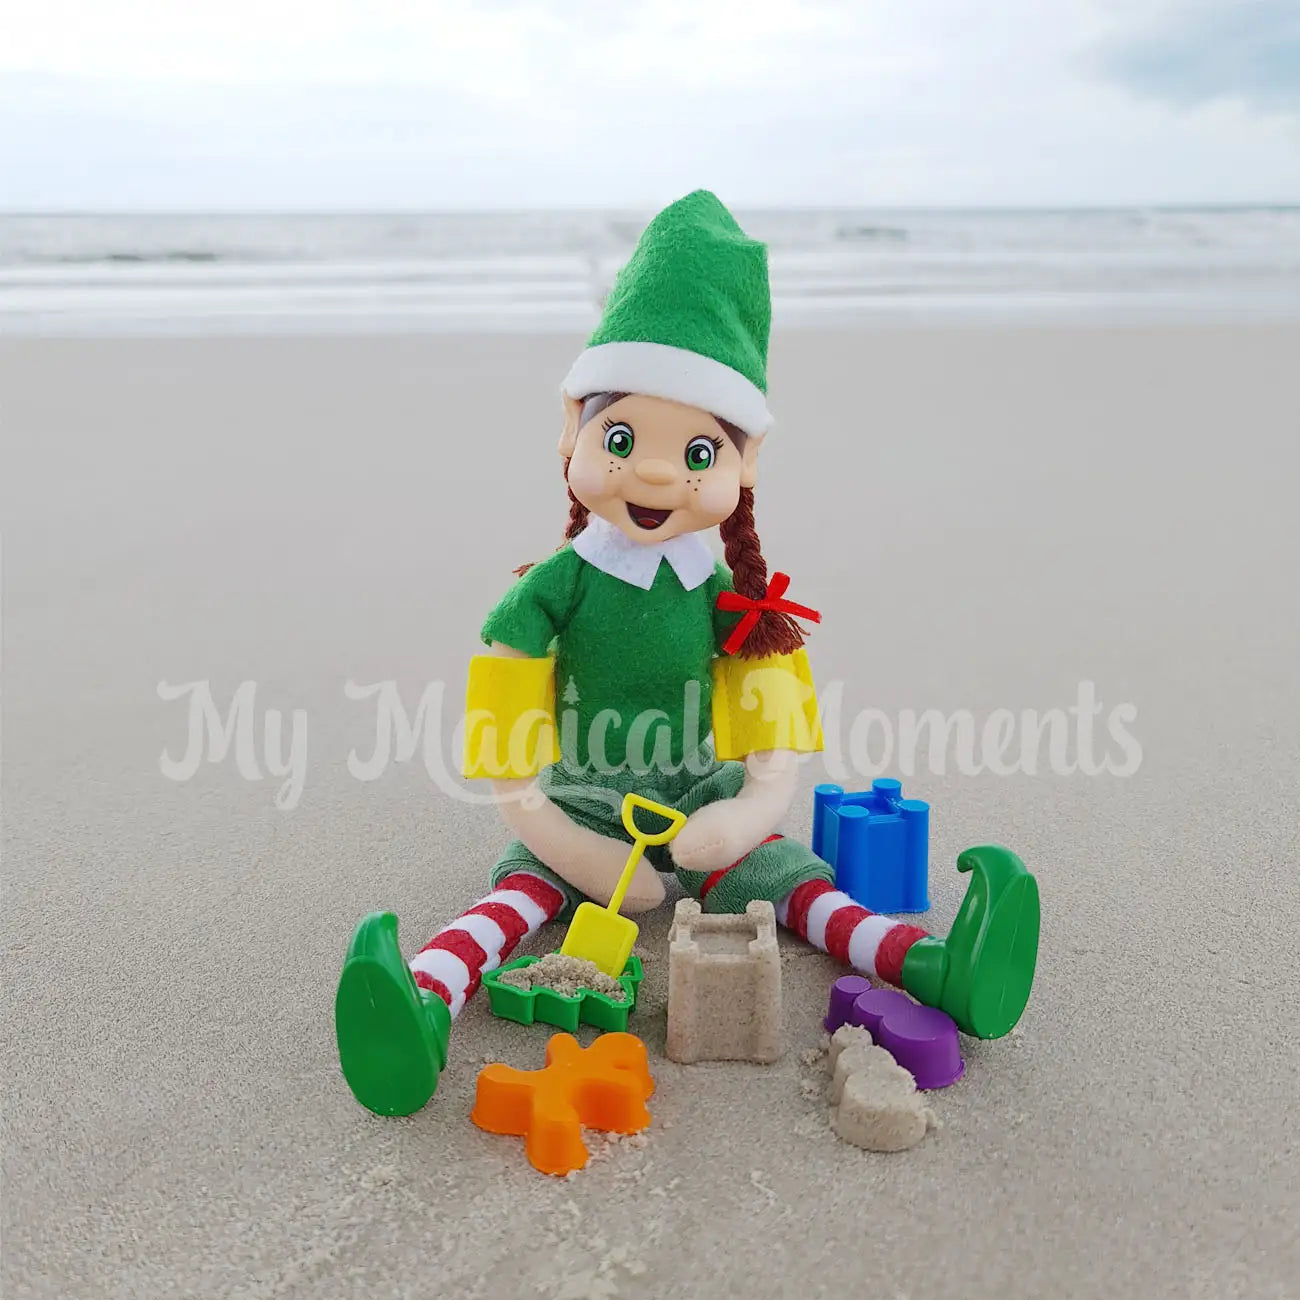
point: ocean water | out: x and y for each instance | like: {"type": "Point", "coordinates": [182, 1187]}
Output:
{"type": "Point", "coordinates": [230, 273]}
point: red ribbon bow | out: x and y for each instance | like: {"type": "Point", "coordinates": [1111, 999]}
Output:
{"type": "Point", "coordinates": [771, 600]}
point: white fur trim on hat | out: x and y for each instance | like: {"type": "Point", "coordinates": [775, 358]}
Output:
{"type": "Point", "coordinates": [658, 370]}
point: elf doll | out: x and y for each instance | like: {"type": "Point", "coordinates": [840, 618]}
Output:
{"type": "Point", "coordinates": [642, 634]}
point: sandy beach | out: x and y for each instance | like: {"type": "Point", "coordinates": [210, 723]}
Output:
{"type": "Point", "coordinates": [987, 518]}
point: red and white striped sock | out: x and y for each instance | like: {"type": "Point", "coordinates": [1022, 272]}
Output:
{"type": "Point", "coordinates": [870, 943]}
{"type": "Point", "coordinates": [452, 963]}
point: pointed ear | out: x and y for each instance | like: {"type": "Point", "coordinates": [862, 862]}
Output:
{"type": "Point", "coordinates": [749, 460]}
{"type": "Point", "coordinates": [569, 434]}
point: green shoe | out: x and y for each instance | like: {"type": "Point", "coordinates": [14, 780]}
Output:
{"type": "Point", "coordinates": [982, 972]}
{"type": "Point", "coordinates": [392, 1037]}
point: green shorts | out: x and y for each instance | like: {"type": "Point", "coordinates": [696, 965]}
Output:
{"type": "Point", "coordinates": [595, 801]}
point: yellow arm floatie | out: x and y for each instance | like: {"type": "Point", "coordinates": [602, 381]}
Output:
{"type": "Point", "coordinates": [761, 704]}
{"type": "Point", "coordinates": [509, 717]}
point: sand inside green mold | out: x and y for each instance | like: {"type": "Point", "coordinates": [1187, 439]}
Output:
{"type": "Point", "coordinates": [568, 976]}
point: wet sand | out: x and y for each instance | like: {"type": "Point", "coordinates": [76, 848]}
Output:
{"type": "Point", "coordinates": [986, 518]}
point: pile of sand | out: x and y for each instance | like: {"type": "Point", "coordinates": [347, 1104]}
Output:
{"type": "Point", "coordinates": [565, 975]}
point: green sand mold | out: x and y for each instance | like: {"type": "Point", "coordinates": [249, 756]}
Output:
{"type": "Point", "coordinates": [528, 1006]}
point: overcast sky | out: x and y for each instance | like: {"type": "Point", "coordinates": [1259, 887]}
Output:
{"type": "Point", "coordinates": [362, 104]}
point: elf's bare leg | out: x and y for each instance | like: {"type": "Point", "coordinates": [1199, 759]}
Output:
{"type": "Point", "coordinates": [724, 831]}
{"type": "Point", "coordinates": [587, 860]}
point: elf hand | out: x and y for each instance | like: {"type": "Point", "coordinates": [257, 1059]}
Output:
{"type": "Point", "coordinates": [721, 833]}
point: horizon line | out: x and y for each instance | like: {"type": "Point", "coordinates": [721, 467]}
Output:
{"type": "Point", "coordinates": [651, 206]}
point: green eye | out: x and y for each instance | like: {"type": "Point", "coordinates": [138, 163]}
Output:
{"type": "Point", "coordinates": [618, 440]}
{"type": "Point", "coordinates": [701, 453]}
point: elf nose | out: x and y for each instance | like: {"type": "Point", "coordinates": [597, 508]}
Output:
{"type": "Point", "coordinates": [658, 472]}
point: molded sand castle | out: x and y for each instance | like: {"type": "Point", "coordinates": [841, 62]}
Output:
{"type": "Point", "coordinates": [724, 985]}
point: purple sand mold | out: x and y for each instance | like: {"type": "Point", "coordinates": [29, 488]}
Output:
{"type": "Point", "coordinates": [844, 993]}
{"type": "Point", "coordinates": [923, 1040]}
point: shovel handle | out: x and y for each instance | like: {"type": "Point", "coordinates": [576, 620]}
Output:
{"type": "Point", "coordinates": [676, 820]}
{"type": "Point", "coordinates": [641, 841]}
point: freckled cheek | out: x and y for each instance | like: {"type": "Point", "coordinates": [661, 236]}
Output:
{"type": "Point", "coordinates": [590, 480]}
{"type": "Point", "coordinates": [717, 495]}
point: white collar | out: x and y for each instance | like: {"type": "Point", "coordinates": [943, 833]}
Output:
{"type": "Point", "coordinates": [612, 551]}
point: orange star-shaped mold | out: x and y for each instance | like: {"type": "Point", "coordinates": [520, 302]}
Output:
{"type": "Point", "coordinates": [603, 1086]}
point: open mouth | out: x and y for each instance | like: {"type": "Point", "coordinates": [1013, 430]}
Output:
{"type": "Point", "coordinates": [645, 517]}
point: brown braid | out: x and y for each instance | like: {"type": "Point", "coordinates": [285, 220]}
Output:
{"type": "Point", "coordinates": [773, 634]}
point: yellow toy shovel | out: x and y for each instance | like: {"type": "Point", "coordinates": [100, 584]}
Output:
{"type": "Point", "coordinates": [598, 933]}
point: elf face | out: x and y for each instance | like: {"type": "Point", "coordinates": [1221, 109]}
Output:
{"type": "Point", "coordinates": [655, 469]}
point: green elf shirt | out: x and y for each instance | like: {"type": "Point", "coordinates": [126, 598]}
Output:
{"type": "Point", "coordinates": [633, 628]}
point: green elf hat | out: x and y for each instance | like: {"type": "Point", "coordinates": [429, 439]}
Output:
{"type": "Point", "coordinates": [687, 318]}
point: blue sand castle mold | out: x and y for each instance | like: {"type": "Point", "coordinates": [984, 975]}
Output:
{"type": "Point", "coordinates": [878, 842]}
